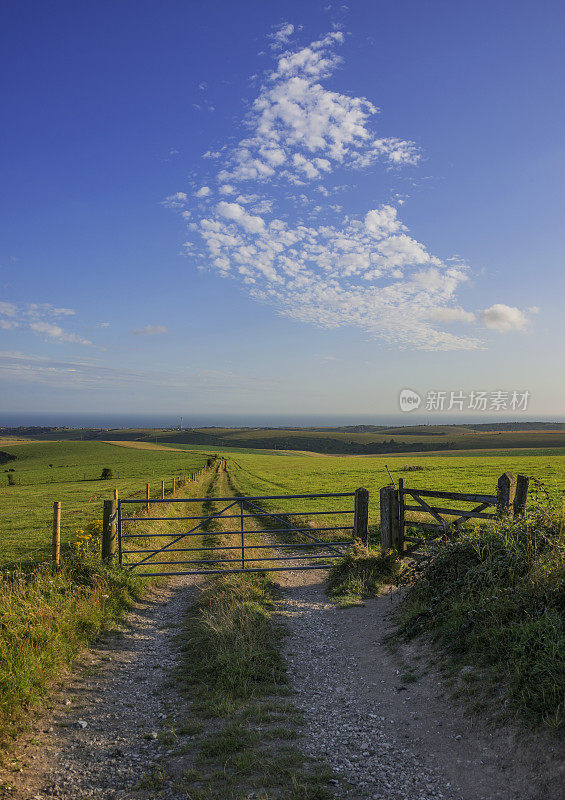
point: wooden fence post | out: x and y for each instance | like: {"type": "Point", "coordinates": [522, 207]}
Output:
{"type": "Point", "coordinates": [109, 530]}
{"type": "Point", "coordinates": [506, 493]}
{"type": "Point", "coordinates": [361, 516]}
{"type": "Point", "coordinates": [521, 495]}
{"type": "Point", "coordinates": [386, 520]}
{"type": "Point", "coordinates": [401, 526]}
{"type": "Point", "coordinates": [56, 543]}
{"type": "Point", "coordinates": [174, 486]}
{"type": "Point", "coordinates": [396, 526]}
{"type": "Point", "coordinates": [162, 490]}
{"type": "Point", "coordinates": [115, 495]}
{"type": "Point", "coordinates": [147, 497]}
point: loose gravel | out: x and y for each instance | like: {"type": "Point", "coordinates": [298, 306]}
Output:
{"type": "Point", "coordinates": [385, 737]}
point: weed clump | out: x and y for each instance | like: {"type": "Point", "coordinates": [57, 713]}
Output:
{"type": "Point", "coordinates": [362, 572]}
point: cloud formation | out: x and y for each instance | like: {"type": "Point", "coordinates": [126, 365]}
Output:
{"type": "Point", "coordinates": [41, 319]}
{"type": "Point", "coordinates": [325, 267]}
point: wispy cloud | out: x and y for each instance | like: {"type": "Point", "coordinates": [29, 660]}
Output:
{"type": "Point", "coordinates": [363, 270]}
{"type": "Point", "coordinates": [281, 35]}
{"type": "Point", "coordinates": [150, 330]}
{"type": "Point", "coordinates": [19, 367]}
{"type": "Point", "coordinates": [41, 319]}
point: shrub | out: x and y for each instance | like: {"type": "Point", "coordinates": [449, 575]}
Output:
{"type": "Point", "coordinates": [495, 599]}
{"type": "Point", "coordinates": [106, 474]}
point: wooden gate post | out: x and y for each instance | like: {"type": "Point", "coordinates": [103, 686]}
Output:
{"type": "Point", "coordinates": [56, 543]}
{"type": "Point", "coordinates": [162, 490]}
{"type": "Point", "coordinates": [386, 521]}
{"type": "Point", "coordinates": [392, 533]}
{"type": "Point", "coordinates": [361, 516]}
{"type": "Point", "coordinates": [506, 493]}
{"type": "Point", "coordinates": [147, 498]}
{"type": "Point", "coordinates": [521, 495]}
{"type": "Point", "coordinates": [109, 530]}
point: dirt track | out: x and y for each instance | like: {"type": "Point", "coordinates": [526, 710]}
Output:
{"type": "Point", "coordinates": [388, 739]}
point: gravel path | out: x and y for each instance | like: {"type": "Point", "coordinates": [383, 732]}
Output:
{"type": "Point", "coordinates": [388, 739]}
{"type": "Point", "coordinates": [101, 738]}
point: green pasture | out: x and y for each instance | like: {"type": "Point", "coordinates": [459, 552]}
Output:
{"type": "Point", "coordinates": [69, 471]}
{"type": "Point", "coordinates": [269, 474]}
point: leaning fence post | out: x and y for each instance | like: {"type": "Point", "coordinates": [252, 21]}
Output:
{"type": "Point", "coordinates": [109, 530]}
{"type": "Point", "coordinates": [56, 543]}
{"type": "Point", "coordinates": [505, 493]}
{"type": "Point", "coordinates": [522, 483]}
{"type": "Point", "coordinates": [361, 516]}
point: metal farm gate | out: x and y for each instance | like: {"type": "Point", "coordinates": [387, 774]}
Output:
{"type": "Point", "coordinates": [308, 542]}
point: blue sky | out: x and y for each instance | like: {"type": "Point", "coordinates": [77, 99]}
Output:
{"type": "Point", "coordinates": [381, 205]}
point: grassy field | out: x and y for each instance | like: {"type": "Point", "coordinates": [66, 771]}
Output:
{"type": "Point", "coordinates": [267, 474]}
{"type": "Point", "coordinates": [70, 471]}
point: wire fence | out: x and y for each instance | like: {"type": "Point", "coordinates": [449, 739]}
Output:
{"type": "Point", "coordinates": [14, 553]}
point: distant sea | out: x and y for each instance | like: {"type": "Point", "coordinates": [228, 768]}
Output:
{"type": "Point", "coordinates": [228, 420]}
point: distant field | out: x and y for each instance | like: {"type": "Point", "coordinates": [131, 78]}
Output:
{"type": "Point", "coordinates": [355, 440]}
{"type": "Point", "coordinates": [69, 471]}
{"type": "Point", "coordinates": [141, 445]}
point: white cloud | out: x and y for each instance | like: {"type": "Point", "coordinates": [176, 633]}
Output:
{"type": "Point", "coordinates": [281, 35]}
{"type": "Point", "coordinates": [382, 221]}
{"type": "Point", "coordinates": [204, 191]}
{"type": "Point", "coordinates": [361, 270]}
{"type": "Point", "coordinates": [8, 309]}
{"type": "Point", "coordinates": [504, 318]}
{"type": "Point", "coordinates": [303, 130]}
{"type": "Point", "coordinates": [176, 200]}
{"type": "Point", "coordinates": [235, 212]}
{"type": "Point", "coordinates": [150, 330]}
{"type": "Point", "coordinates": [452, 315]}
{"type": "Point", "coordinates": [54, 332]}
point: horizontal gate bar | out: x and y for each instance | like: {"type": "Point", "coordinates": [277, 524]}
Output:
{"type": "Point", "coordinates": [238, 547]}
{"type": "Point", "coordinates": [237, 516]}
{"type": "Point", "coordinates": [454, 512]}
{"type": "Point", "coordinates": [228, 533]}
{"type": "Point", "coordinates": [250, 497]}
{"type": "Point", "coordinates": [298, 557]}
{"type": "Point", "coordinates": [468, 498]}
{"type": "Point", "coordinates": [229, 571]}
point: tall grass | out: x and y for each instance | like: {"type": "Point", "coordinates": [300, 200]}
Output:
{"type": "Point", "coordinates": [494, 600]}
{"type": "Point", "coordinates": [46, 617]}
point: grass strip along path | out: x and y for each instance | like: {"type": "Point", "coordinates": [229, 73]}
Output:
{"type": "Point", "coordinates": [242, 720]}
